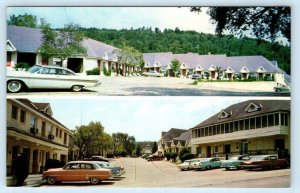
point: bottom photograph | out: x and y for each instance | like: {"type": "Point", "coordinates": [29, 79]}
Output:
{"type": "Point", "coordinates": [186, 142]}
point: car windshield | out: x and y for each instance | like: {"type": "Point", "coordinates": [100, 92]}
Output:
{"type": "Point", "coordinates": [34, 69]}
{"type": "Point", "coordinates": [258, 158]}
{"type": "Point", "coordinates": [234, 158]}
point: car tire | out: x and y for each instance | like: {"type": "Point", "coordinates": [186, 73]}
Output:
{"type": "Point", "coordinates": [51, 180]}
{"type": "Point", "coordinates": [94, 180]}
{"type": "Point", "coordinates": [227, 169]}
{"type": "Point", "coordinates": [14, 86]}
{"type": "Point", "coordinates": [208, 167]}
{"type": "Point", "coordinates": [76, 88]}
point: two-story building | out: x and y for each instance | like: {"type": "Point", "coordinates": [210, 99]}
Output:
{"type": "Point", "coordinates": [252, 127]}
{"type": "Point", "coordinates": [32, 130]}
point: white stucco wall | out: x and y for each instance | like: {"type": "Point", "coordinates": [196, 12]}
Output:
{"type": "Point", "coordinates": [89, 64]}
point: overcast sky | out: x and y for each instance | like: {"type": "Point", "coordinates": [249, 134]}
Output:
{"type": "Point", "coordinates": [121, 17]}
{"type": "Point", "coordinates": [143, 117]}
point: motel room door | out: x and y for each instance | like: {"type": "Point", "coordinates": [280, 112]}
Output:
{"type": "Point", "coordinates": [244, 148]}
{"type": "Point", "coordinates": [208, 151]}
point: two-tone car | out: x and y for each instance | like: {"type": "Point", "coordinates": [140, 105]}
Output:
{"type": "Point", "coordinates": [188, 164]}
{"type": "Point", "coordinates": [152, 74]}
{"type": "Point", "coordinates": [155, 158]}
{"type": "Point", "coordinates": [48, 77]}
{"type": "Point", "coordinates": [77, 171]}
{"type": "Point", "coordinates": [207, 163]}
{"type": "Point", "coordinates": [264, 162]}
{"type": "Point", "coordinates": [234, 162]}
{"type": "Point", "coordinates": [116, 170]}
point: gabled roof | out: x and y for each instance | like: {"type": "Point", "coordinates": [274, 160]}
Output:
{"type": "Point", "coordinates": [44, 107]}
{"type": "Point", "coordinates": [185, 137]}
{"type": "Point", "coordinates": [239, 112]}
{"type": "Point", "coordinates": [31, 105]}
{"type": "Point", "coordinates": [173, 133]}
{"type": "Point", "coordinates": [163, 58]}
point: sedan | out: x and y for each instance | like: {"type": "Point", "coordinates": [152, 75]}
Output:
{"type": "Point", "coordinates": [48, 77]}
{"type": "Point", "coordinates": [207, 163]}
{"type": "Point", "coordinates": [234, 162]}
{"type": "Point", "coordinates": [116, 170]}
{"type": "Point", "coordinates": [195, 76]}
{"type": "Point", "coordinates": [77, 171]}
{"type": "Point", "coordinates": [153, 74]}
{"type": "Point", "coordinates": [265, 162]}
{"type": "Point", "coordinates": [188, 164]}
{"type": "Point", "coordinates": [155, 158]}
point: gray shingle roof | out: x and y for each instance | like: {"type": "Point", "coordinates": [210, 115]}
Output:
{"type": "Point", "coordinates": [237, 111]}
{"type": "Point", "coordinates": [173, 133]}
{"type": "Point", "coordinates": [186, 136]}
{"type": "Point", "coordinates": [26, 39]}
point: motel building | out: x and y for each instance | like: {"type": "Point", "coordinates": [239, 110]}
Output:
{"type": "Point", "coordinates": [32, 129]}
{"type": "Point", "coordinates": [253, 127]}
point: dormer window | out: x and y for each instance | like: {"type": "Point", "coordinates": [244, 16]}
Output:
{"type": "Point", "coordinates": [253, 107]}
{"type": "Point", "coordinates": [223, 115]}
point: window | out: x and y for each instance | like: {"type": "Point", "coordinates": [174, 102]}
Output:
{"type": "Point", "coordinates": [241, 125]}
{"type": "Point", "coordinates": [22, 116]}
{"type": "Point", "coordinates": [198, 150]}
{"type": "Point", "coordinates": [236, 126]}
{"type": "Point", "coordinates": [270, 120]}
{"type": "Point", "coordinates": [231, 127]}
{"type": "Point", "coordinates": [43, 129]}
{"type": "Point", "coordinates": [222, 128]}
{"type": "Point", "coordinates": [206, 131]}
{"type": "Point", "coordinates": [65, 138]}
{"type": "Point", "coordinates": [202, 132]}
{"type": "Point", "coordinates": [252, 123]}
{"type": "Point", "coordinates": [258, 122]}
{"type": "Point", "coordinates": [210, 130]}
{"type": "Point", "coordinates": [276, 116]}
{"type": "Point", "coordinates": [246, 124]}
{"type": "Point", "coordinates": [214, 130]}
{"type": "Point", "coordinates": [286, 120]}
{"type": "Point", "coordinates": [264, 121]}
{"type": "Point", "coordinates": [226, 127]}
{"type": "Point", "coordinates": [218, 129]}
{"type": "Point", "coordinates": [216, 149]}
{"type": "Point", "coordinates": [56, 132]}
{"type": "Point", "coordinates": [14, 112]}
{"type": "Point", "coordinates": [33, 122]}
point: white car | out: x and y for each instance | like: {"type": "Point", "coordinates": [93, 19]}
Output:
{"type": "Point", "coordinates": [188, 164]}
{"type": "Point", "coordinates": [153, 74]}
{"type": "Point", "coordinates": [48, 77]}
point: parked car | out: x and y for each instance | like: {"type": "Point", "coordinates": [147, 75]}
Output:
{"type": "Point", "coordinates": [116, 170]}
{"type": "Point", "coordinates": [145, 156]}
{"type": "Point", "coordinates": [188, 164]}
{"type": "Point", "coordinates": [152, 73]}
{"type": "Point", "coordinates": [265, 162]}
{"type": "Point", "coordinates": [77, 171]}
{"type": "Point", "coordinates": [195, 76]}
{"type": "Point", "coordinates": [235, 162]}
{"type": "Point", "coordinates": [48, 77]}
{"type": "Point", "coordinates": [207, 163]}
{"type": "Point", "coordinates": [98, 158]}
{"type": "Point", "coordinates": [155, 158]}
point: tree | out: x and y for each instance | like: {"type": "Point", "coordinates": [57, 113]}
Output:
{"type": "Point", "coordinates": [130, 56]}
{"type": "Point", "coordinates": [263, 22]}
{"type": "Point", "coordinates": [154, 147]}
{"type": "Point", "coordinates": [175, 64]}
{"type": "Point", "coordinates": [183, 152]}
{"type": "Point", "coordinates": [87, 137]}
{"type": "Point", "coordinates": [67, 42]}
{"type": "Point", "coordinates": [138, 151]}
{"type": "Point", "coordinates": [123, 143]}
{"type": "Point", "coordinates": [26, 20]}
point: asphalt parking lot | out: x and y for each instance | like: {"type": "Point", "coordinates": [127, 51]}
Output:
{"type": "Point", "coordinates": [141, 173]}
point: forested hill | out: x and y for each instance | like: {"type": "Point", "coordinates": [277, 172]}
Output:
{"type": "Point", "coordinates": [148, 40]}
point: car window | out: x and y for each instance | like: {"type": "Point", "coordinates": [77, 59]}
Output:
{"type": "Point", "coordinates": [64, 72]}
{"type": "Point", "coordinates": [72, 166]}
{"type": "Point", "coordinates": [87, 166]}
{"type": "Point", "coordinates": [272, 158]}
{"type": "Point", "coordinates": [245, 158]}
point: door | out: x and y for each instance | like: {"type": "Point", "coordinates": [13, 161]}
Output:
{"type": "Point", "coordinates": [227, 149]}
{"type": "Point", "coordinates": [26, 152]}
{"type": "Point", "coordinates": [244, 148]}
{"type": "Point", "coordinates": [15, 152]}
{"type": "Point", "coordinates": [208, 151]}
{"type": "Point", "coordinates": [213, 75]}
{"type": "Point", "coordinates": [279, 147]}
{"type": "Point", "coordinates": [35, 154]}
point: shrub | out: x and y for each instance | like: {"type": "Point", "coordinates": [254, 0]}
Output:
{"type": "Point", "coordinates": [182, 152]}
{"type": "Point", "coordinates": [22, 65]}
{"type": "Point", "coordinates": [94, 71]}
{"type": "Point", "coordinates": [168, 155]}
{"type": "Point", "coordinates": [173, 156]}
{"type": "Point", "coordinates": [195, 82]}
{"type": "Point", "coordinates": [52, 163]}
{"type": "Point", "coordinates": [186, 156]}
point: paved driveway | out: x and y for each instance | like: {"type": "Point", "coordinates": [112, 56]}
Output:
{"type": "Point", "coordinates": [141, 173]}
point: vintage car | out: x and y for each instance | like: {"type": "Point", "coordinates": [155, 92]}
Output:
{"type": "Point", "coordinates": [48, 77]}
{"type": "Point", "coordinates": [234, 162]}
{"type": "Point", "coordinates": [155, 158]}
{"type": "Point", "coordinates": [77, 171]}
{"type": "Point", "coordinates": [207, 163]}
{"type": "Point", "coordinates": [188, 164]}
{"type": "Point", "coordinates": [152, 73]}
{"type": "Point", "coordinates": [264, 162]}
{"type": "Point", "coordinates": [116, 170]}
{"type": "Point", "coordinates": [97, 158]}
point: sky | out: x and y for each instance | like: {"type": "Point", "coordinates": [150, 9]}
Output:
{"type": "Point", "coordinates": [143, 117]}
{"type": "Point", "coordinates": [121, 17]}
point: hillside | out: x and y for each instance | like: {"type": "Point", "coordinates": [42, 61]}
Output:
{"type": "Point", "coordinates": [177, 41]}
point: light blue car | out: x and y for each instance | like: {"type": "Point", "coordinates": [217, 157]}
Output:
{"type": "Point", "coordinates": [234, 162]}
{"type": "Point", "coordinates": [207, 163]}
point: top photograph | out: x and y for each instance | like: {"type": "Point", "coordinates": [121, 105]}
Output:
{"type": "Point", "coordinates": [148, 51]}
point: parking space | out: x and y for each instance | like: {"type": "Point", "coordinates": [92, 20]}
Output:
{"type": "Point", "coordinates": [142, 173]}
